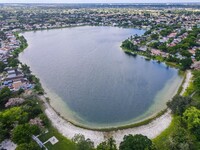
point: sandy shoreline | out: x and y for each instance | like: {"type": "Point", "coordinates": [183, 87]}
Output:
{"type": "Point", "coordinates": [151, 130]}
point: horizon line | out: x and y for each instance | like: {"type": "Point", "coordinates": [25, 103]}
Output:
{"type": "Point", "coordinates": [97, 3]}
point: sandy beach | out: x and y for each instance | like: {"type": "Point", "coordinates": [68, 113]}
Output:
{"type": "Point", "coordinates": [151, 130]}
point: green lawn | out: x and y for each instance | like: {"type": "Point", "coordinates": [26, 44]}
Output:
{"type": "Point", "coordinates": [63, 144]}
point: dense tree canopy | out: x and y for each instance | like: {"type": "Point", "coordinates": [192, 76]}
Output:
{"type": "Point", "coordinates": [196, 81]}
{"type": "Point", "coordinates": [192, 117]}
{"type": "Point", "coordinates": [82, 143]}
{"type": "Point", "coordinates": [13, 115]}
{"type": "Point", "coordinates": [197, 55]}
{"type": "Point", "coordinates": [180, 140]}
{"type": "Point", "coordinates": [186, 63]}
{"type": "Point", "coordinates": [2, 66]}
{"type": "Point", "coordinates": [26, 69]}
{"type": "Point", "coordinates": [136, 142]}
{"type": "Point", "coordinates": [178, 104]}
{"type": "Point", "coordinates": [166, 32]}
{"type": "Point", "coordinates": [5, 94]}
{"type": "Point", "coordinates": [127, 44]}
{"type": "Point", "coordinates": [110, 144]}
{"type": "Point", "coordinates": [22, 133]}
{"type": "Point", "coordinates": [154, 36]}
{"type": "Point", "coordinates": [4, 132]}
{"type": "Point", "coordinates": [13, 62]}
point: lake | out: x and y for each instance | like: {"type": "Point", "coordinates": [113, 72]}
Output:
{"type": "Point", "coordinates": [92, 82]}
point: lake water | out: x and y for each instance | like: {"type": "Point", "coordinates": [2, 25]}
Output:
{"type": "Point", "coordinates": [92, 82]}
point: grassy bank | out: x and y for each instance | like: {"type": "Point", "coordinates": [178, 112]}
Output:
{"type": "Point", "coordinates": [63, 143]}
{"type": "Point", "coordinates": [161, 140]}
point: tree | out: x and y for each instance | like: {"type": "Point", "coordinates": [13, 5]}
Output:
{"type": "Point", "coordinates": [147, 32]}
{"type": "Point", "coordinates": [186, 53]}
{"type": "Point", "coordinates": [196, 82]}
{"type": "Point", "coordinates": [166, 32]}
{"type": "Point", "coordinates": [179, 104]}
{"type": "Point", "coordinates": [5, 94]}
{"type": "Point", "coordinates": [32, 109]}
{"type": "Point", "coordinates": [136, 142]}
{"type": "Point", "coordinates": [4, 132]}
{"type": "Point", "coordinates": [44, 119]}
{"type": "Point", "coordinates": [192, 118]}
{"type": "Point", "coordinates": [154, 44]}
{"type": "Point", "coordinates": [8, 119]}
{"type": "Point", "coordinates": [186, 63]}
{"type": "Point", "coordinates": [2, 66]}
{"type": "Point", "coordinates": [28, 146]}
{"type": "Point", "coordinates": [197, 55]}
{"type": "Point", "coordinates": [26, 69]}
{"type": "Point", "coordinates": [22, 133]}
{"type": "Point", "coordinates": [20, 91]}
{"type": "Point", "coordinates": [196, 132]}
{"type": "Point", "coordinates": [10, 116]}
{"type": "Point", "coordinates": [163, 47]}
{"type": "Point", "coordinates": [127, 44]}
{"type": "Point", "coordinates": [110, 144]}
{"type": "Point", "coordinates": [13, 62]}
{"type": "Point", "coordinates": [155, 36]}
{"type": "Point", "coordinates": [82, 143]}
{"type": "Point", "coordinates": [180, 140]}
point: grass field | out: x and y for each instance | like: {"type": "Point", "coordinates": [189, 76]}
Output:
{"type": "Point", "coordinates": [63, 142]}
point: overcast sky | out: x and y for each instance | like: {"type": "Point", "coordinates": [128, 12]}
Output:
{"type": "Point", "coordinates": [96, 1]}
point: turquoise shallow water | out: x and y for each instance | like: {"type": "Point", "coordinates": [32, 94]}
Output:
{"type": "Point", "coordinates": [92, 82]}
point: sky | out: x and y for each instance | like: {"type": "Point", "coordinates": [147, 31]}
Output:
{"type": "Point", "coordinates": [96, 1]}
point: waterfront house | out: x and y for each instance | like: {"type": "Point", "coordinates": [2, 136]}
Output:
{"type": "Point", "coordinates": [172, 35]}
{"type": "Point", "coordinates": [17, 85]}
{"type": "Point", "coordinates": [196, 65]}
{"type": "Point", "coordinates": [142, 48]}
{"type": "Point", "coordinates": [192, 51]}
{"type": "Point", "coordinates": [13, 74]}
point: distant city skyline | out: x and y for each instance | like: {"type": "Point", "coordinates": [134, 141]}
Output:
{"type": "Point", "coordinates": [98, 1]}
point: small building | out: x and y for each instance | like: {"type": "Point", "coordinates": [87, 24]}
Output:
{"type": "Point", "coordinates": [191, 51]}
{"type": "Point", "coordinates": [142, 48]}
{"type": "Point", "coordinates": [172, 35]}
{"type": "Point", "coordinates": [17, 85]}
{"type": "Point", "coordinates": [156, 52]}
{"type": "Point", "coordinates": [196, 65]}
